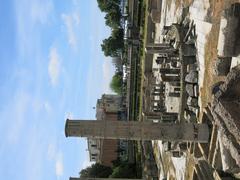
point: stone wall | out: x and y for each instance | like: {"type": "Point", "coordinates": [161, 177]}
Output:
{"type": "Point", "coordinates": [109, 153]}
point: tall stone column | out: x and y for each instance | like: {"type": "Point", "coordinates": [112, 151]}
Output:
{"type": "Point", "coordinates": [156, 94]}
{"type": "Point", "coordinates": [174, 94]}
{"type": "Point", "coordinates": [177, 89]}
{"type": "Point", "coordinates": [161, 45]}
{"type": "Point", "coordinates": [155, 101]}
{"type": "Point", "coordinates": [149, 50]}
{"type": "Point", "coordinates": [169, 117]}
{"type": "Point", "coordinates": [161, 48]}
{"type": "Point", "coordinates": [156, 85]}
{"type": "Point", "coordinates": [170, 78]}
{"type": "Point", "coordinates": [176, 83]}
{"type": "Point", "coordinates": [169, 71]}
{"type": "Point", "coordinates": [135, 130]}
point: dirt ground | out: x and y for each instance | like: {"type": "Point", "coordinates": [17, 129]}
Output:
{"type": "Point", "coordinates": [216, 8]}
{"type": "Point", "coordinates": [168, 167]}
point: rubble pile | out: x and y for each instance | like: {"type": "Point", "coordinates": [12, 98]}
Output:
{"type": "Point", "coordinates": [225, 109]}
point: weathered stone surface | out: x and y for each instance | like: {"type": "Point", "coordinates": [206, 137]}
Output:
{"type": "Point", "coordinates": [159, 60]}
{"type": "Point", "coordinates": [229, 112]}
{"type": "Point", "coordinates": [196, 90]}
{"type": "Point", "coordinates": [228, 39]}
{"type": "Point", "coordinates": [186, 22]}
{"type": "Point", "coordinates": [189, 59]}
{"type": "Point", "coordinates": [194, 109]}
{"type": "Point", "coordinates": [216, 87]}
{"type": "Point", "coordinates": [228, 162]}
{"type": "Point", "coordinates": [205, 170]}
{"type": "Point", "coordinates": [156, 15]}
{"type": "Point", "coordinates": [192, 77]}
{"type": "Point", "coordinates": [192, 90]}
{"type": "Point", "coordinates": [174, 64]}
{"type": "Point", "coordinates": [191, 101]}
{"type": "Point", "coordinates": [231, 87]}
{"type": "Point", "coordinates": [192, 67]}
{"type": "Point", "coordinates": [165, 30]}
{"type": "Point", "coordinates": [190, 116]}
{"type": "Point", "coordinates": [191, 41]}
{"type": "Point", "coordinates": [226, 102]}
{"type": "Point", "coordinates": [222, 66]}
{"type": "Point", "coordinates": [227, 138]}
{"type": "Point", "coordinates": [225, 111]}
{"type": "Point", "coordinates": [188, 50]}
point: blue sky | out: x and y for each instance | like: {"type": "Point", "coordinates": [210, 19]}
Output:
{"type": "Point", "coordinates": [52, 68]}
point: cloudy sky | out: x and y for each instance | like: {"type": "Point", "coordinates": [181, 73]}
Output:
{"type": "Point", "coordinates": [52, 67]}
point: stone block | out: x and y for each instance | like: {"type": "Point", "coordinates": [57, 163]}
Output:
{"type": "Point", "coordinates": [192, 67]}
{"type": "Point", "coordinates": [189, 59]}
{"type": "Point", "coordinates": [156, 15]}
{"type": "Point", "coordinates": [192, 77]}
{"type": "Point", "coordinates": [222, 66]}
{"type": "Point", "coordinates": [216, 87]}
{"type": "Point", "coordinates": [191, 101]}
{"type": "Point", "coordinates": [228, 39]}
{"type": "Point", "coordinates": [194, 109]}
{"type": "Point", "coordinates": [192, 90]}
{"type": "Point", "coordinates": [196, 90]}
{"type": "Point", "coordinates": [189, 50]}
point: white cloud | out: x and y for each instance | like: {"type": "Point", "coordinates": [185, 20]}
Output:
{"type": "Point", "coordinates": [76, 18]}
{"type": "Point", "coordinates": [51, 152]}
{"type": "Point", "coordinates": [20, 106]}
{"type": "Point", "coordinates": [59, 165]}
{"type": "Point", "coordinates": [47, 107]}
{"type": "Point", "coordinates": [71, 21]}
{"type": "Point", "coordinates": [29, 16]}
{"type": "Point", "coordinates": [57, 156]}
{"type": "Point", "coordinates": [41, 10]}
{"type": "Point", "coordinates": [53, 66]}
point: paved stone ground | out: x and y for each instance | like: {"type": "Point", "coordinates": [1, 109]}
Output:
{"type": "Point", "coordinates": [206, 16]}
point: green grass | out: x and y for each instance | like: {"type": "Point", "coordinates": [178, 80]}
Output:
{"type": "Point", "coordinates": [143, 31]}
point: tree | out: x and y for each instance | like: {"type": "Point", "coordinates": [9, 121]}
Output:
{"type": "Point", "coordinates": [113, 18]}
{"type": "Point", "coordinates": [118, 34]}
{"type": "Point", "coordinates": [96, 170]}
{"type": "Point", "coordinates": [116, 83]}
{"type": "Point", "coordinates": [107, 5]}
{"type": "Point", "coordinates": [124, 170]}
{"type": "Point", "coordinates": [113, 45]}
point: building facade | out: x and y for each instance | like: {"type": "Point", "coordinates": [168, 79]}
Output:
{"type": "Point", "coordinates": [104, 151]}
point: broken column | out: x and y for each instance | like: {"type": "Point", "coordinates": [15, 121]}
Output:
{"type": "Point", "coordinates": [166, 78]}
